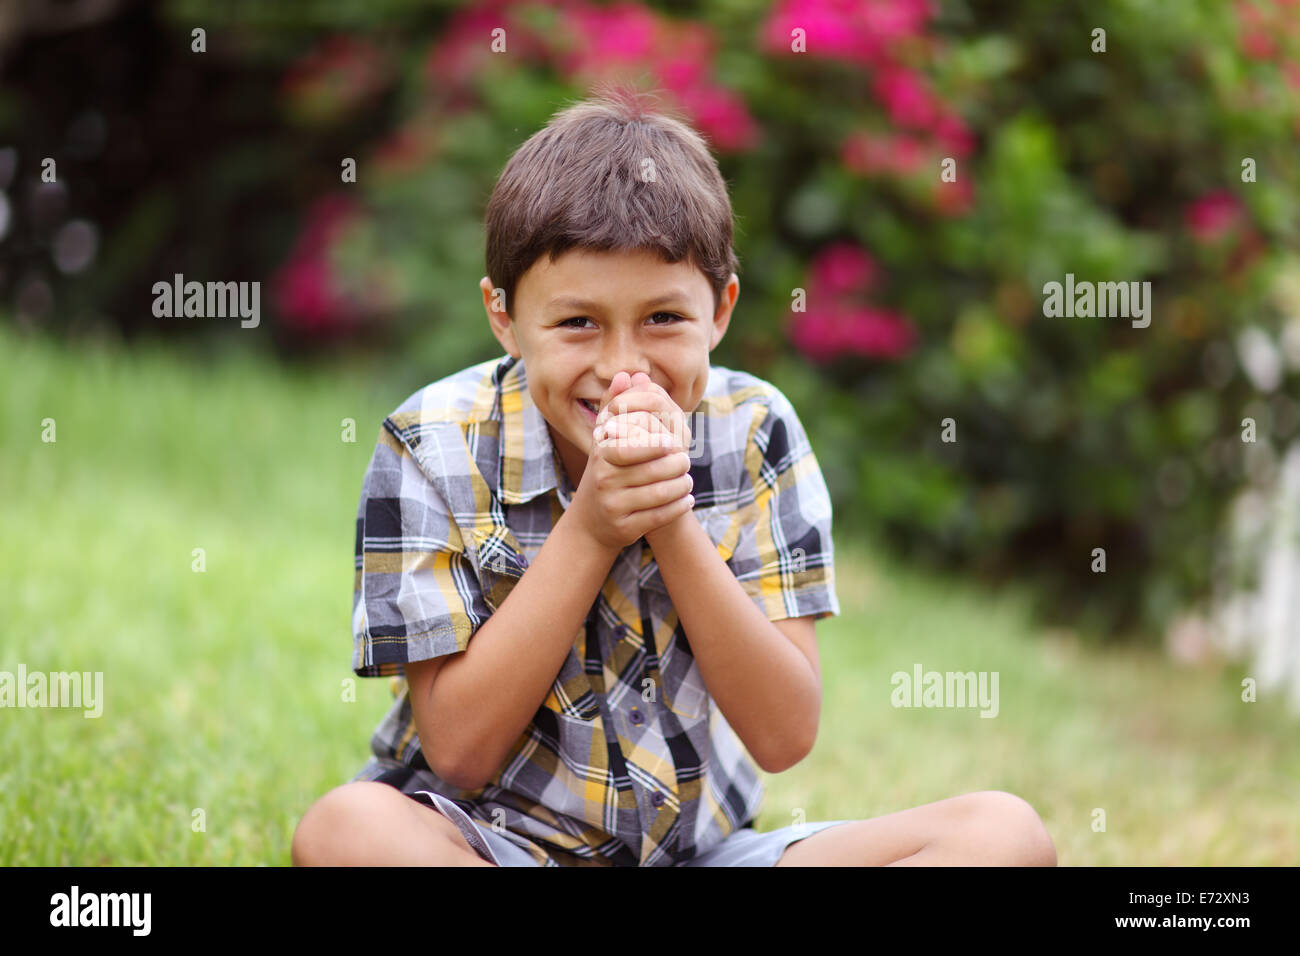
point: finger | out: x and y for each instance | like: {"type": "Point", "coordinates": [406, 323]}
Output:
{"type": "Point", "coordinates": [617, 384]}
{"type": "Point", "coordinates": [630, 456]}
{"type": "Point", "coordinates": [637, 433]}
{"type": "Point", "coordinates": [658, 517]}
{"type": "Point", "coordinates": [620, 423]}
{"type": "Point", "coordinates": [639, 383]}
{"type": "Point", "coordinates": [649, 420]}
{"type": "Point", "coordinates": [641, 400]}
{"type": "Point", "coordinates": [665, 468]}
{"type": "Point", "coordinates": [654, 420]}
{"type": "Point", "coordinates": [626, 452]}
{"type": "Point", "coordinates": [655, 495]}
{"type": "Point", "coordinates": [627, 431]}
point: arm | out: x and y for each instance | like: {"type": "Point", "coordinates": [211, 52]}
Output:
{"type": "Point", "coordinates": [769, 690]}
{"type": "Point", "coordinates": [505, 672]}
{"type": "Point", "coordinates": [764, 676]}
{"type": "Point", "coordinates": [484, 697]}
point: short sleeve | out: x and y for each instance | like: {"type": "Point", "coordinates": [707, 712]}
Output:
{"type": "Point", "coordinates": [415, 594]}
{"type": "Point", "coordinates": [784, 556]}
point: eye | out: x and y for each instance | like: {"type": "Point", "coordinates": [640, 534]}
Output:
{"type": "Point", "coordinates": [672, 318]}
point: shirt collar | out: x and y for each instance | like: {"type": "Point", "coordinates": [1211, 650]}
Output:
{"type": "Point", "coordinates": [528, 462]}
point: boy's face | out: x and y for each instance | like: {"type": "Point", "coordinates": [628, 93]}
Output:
{"type": "Point", "coordinates": [577, 322]}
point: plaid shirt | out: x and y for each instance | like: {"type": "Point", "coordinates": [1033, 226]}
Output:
{"type": "Point", "coordinates": [462, 490]}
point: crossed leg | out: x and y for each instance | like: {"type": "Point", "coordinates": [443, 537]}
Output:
{"type": "Point", "coordinates": [365, 823]}
{"type": "Point", "coordinates": [985, 828]}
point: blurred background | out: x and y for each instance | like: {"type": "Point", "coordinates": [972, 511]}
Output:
{"type": "Point", "coordinates": [1104, 514]}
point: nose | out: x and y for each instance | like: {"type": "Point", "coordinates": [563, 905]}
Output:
{"type": "Point", "coordinates": [619, 352]}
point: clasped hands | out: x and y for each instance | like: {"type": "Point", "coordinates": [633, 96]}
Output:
{"type": "Point", "coordinates": [637, 475]}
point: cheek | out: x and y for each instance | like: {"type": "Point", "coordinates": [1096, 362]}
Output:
{"type": "Point", "coordinates": [700, 383]}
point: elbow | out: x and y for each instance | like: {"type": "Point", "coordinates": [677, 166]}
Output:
{"type": "Point", "coordinates": [464, 780]}
{"type": "Point", "coordinates": [447, 756]}
{"type": "Point", "coordinates": [793, 751]}
{"type": "Point", "coordinates": [785, 762]}
{"type": "Point", "coordinates": [459, 773]}
{"type": "Point", "coordinates": [797, 736]}
{"type": "Point", "coordinates": [447, 761]}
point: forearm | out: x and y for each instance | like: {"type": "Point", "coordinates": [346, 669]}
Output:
{"type": "Point", "coordinates": [759, 679]}
{"type": "Point", "coordinates": [494, 688]}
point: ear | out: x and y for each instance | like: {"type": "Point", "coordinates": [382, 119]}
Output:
{"type": "Point", "coordinates": [499, 318]}
{"type": "Point", "coordinates": [723, 317]}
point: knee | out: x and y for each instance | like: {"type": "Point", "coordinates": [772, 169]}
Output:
{"type": "Point", "coordinates": [1015, 831]}
{"type": "Point", "coordinates": [336, 813]}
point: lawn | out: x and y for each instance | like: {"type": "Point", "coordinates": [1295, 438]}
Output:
{"type": "Point", "coordinates": [224, 714]}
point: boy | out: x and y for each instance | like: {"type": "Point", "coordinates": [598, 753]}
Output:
{"type": "Point", "coordinates": [538, 535]}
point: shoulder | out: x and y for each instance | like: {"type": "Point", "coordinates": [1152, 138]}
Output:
{"type": "Point", "coordinates": [740, 422]}
{"type": "Point", "coordinates": [442, 410]}
{"type": "Point", "coordinates": [742, 408]}
{"type": "Point", "coordinates": [731, 391]}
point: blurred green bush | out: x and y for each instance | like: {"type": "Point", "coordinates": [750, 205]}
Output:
{"type": "Point", "coordinates": [920, 300]}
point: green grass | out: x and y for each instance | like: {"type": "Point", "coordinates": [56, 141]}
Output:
{"type": "Point", "coordinates": [223, 688]}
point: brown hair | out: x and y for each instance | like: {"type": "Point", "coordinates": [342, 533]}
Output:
{"type": "Point", "coordinates": [579, 182]}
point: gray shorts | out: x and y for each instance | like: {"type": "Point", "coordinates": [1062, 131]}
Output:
{"type": "Point", "coordinates": [744, 847]}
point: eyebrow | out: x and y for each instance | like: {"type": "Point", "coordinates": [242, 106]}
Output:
{"type": "Point", "coordinates": [572, 302]}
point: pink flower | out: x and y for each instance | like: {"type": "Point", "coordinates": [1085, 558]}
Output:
{"type": "Point", "coordinates": [893, 20]}
{"type": "Point", "coordinates": [1260, 25]}
{"type": "Point", "coordinates": [1214, 215]}
{"type": "Point", "coordinates": [816, 334]}
{"type": "Point", "coordinates": [855, 31]}
{"type": "Point", "coordinates": [685, 50]}
{"type": "Point", "coordinates": [842, 269]}
{"type": "Point", "coordinates": [307, 294]}
{"type": "Point", "coordinates": [866, 154]}
{"type": "Point", "coordinates": [835, 325]}
{"type": "Point", "coordinates": [622, 33]}
{"type": "Point", "coordinates": [825, 333]}
{"type": "Point", "coordinates": [465, 45]}
{"type": "Point", "coordinates": [954, 136]}
{"type": "Point", "coordinates": [1258, 45]}
{"type": "Point", "coordinates": [605, 40]}
{"type": "Point", "coordinates": [304, 296]}
{"type": "Point", "coordinates": [877, 333]}
{"type": "Point", "coordinates": [828, 30]}
{"type": "Point", "coordinates": [905, 96]}
{"type": "Point", "coordinates": [721, 116]}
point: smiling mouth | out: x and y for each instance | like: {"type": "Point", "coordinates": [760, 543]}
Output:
{"type": "Point", "coordinates": [589, 407]}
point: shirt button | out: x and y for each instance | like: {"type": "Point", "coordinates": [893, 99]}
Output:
{"type": "Point", "coordinates": [638, 718]}
{"type": "Point", "coordinates": [620, 632]}
{"type": "Point", "coordinates": [657, 799]}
